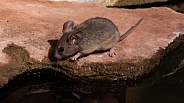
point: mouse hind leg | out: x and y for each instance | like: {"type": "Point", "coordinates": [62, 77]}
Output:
{"type": "Point", "coordinates": [109, 44]}
{"type": "Point", "coordinates": [112, 52]}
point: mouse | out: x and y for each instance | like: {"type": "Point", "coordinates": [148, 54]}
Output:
{"type": "Point", "coordinates": [94, 34]}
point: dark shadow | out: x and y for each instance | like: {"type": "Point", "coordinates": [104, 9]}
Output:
{"type": "Point", "coordinates": [173, 4]}
{"type": "Point", "coordinates": [49, 86]}
{"type": "Point", "coordinates": [51, 52]}
{"type": "Point", "coordinates": [116, 96]}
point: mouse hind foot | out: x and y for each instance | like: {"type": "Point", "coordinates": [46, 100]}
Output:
{"type": "Point", "coordinates": [112, 52]}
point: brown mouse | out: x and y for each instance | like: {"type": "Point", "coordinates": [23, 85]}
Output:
{"type": "Point", "coordinates": [94, 34]}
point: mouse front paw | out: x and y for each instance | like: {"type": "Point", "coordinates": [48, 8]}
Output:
{"type": "Point", "coordinates": [75, 57]}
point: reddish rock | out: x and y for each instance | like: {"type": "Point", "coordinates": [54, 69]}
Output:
{"type": "Point", "coordinates": [29, 25]}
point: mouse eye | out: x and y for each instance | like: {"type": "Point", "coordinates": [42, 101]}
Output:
{"type": "Point", "coordinates": [61, 49]}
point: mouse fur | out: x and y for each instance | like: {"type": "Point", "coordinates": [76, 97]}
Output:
{"type": "Point", "coordinates": [94, 34]}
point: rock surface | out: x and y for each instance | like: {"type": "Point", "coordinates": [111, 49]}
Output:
{"type": "Point", "coordinates": [29, 30]}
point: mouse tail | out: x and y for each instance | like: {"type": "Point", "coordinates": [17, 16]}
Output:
{"type": "Point", "coordinates": [130, 30]}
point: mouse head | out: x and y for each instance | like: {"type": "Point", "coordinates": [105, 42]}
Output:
{"type": "Point", "coordinates": [68, 43]}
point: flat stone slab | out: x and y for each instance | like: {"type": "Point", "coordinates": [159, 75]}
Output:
{"type": "Point", "coordinates": [29, 30]}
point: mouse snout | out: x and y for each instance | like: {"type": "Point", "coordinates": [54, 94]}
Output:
{"type": "Point", "coordinates": [58, 52]}
{"type": "Point", "coordinates": [57, 55]}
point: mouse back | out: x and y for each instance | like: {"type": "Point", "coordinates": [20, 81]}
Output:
{"type": "Point", "coordinates": [95, 31]}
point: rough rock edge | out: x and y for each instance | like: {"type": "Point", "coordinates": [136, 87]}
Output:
{"type": "Point", "coordinates": [129, 2]}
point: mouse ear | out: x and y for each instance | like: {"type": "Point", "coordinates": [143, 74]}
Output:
{"type": "Point", "coordinates": [75, 38]}
{"type": "Point", "coordinates": [67, 26]}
